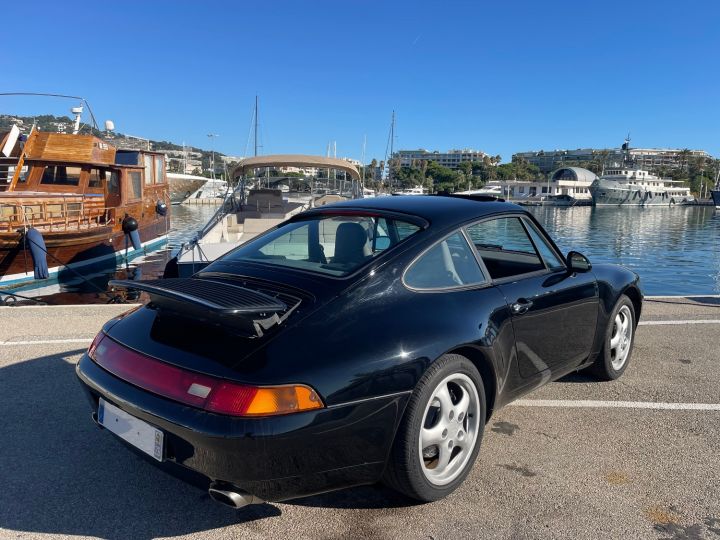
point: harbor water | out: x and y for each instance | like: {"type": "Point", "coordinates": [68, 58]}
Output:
{"type": "Point", "coordinates": [675, 250]}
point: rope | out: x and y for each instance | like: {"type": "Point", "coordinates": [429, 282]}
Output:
{"type": "Point", "coordinates": [5, 301]}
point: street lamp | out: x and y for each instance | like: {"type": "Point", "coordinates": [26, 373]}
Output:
{"type": "Point", "coordinates": [212, 152]}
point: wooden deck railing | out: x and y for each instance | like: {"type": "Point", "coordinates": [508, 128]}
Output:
{"type": "Point", "coordinates": [55, 215]}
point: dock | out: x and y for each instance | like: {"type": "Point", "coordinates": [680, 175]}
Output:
{"type": "Point", "coordinates": [204, 201]}
{"type": "Point", "coordinates": [634, 458]}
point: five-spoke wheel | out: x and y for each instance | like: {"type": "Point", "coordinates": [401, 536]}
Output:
{"type": "Point", "coordinates": [619, 337]}
{"type": "Point", "coordinates": [450, 427]}
{"type": "Point", "coordinates": [439, 437]}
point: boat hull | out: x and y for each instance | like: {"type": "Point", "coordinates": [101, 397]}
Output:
{"type": "Point", "coordinates": [716, 197]}
{"type": "Point", "coordinates": [70, 254]}
{"type": "Point", "coordinates": [182, 188]}
{"type": "Point", "coordinates": [612, 193]}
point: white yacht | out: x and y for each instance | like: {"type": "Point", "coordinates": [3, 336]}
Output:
{"type": "Point", "coordinates": [627, 185]}
{"type": "Point", "coordinates": [212, 189]}
{"type": "Point", "coordinates": [491, 190]}
{"type": "Point", "coordinates": [183, 185]}
{"type": "Point", "coordinates": [250, 211]}
{"type": "Point", "coordinates": [417, 190]}
{"type": "Point", "coordinates": [715, 192]}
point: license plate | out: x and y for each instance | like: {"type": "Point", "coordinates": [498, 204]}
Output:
{"type": "Point", "coordinates": [133, 430]}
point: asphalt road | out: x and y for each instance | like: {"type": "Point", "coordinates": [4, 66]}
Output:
{"type": "Point", "coordinates": [553, 466]}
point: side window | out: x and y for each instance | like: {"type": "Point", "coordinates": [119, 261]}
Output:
{"type": "Point", "coordinates": [405, 229]}
{"type": "Point", "coordinates": [546, 252]}
{"type": "Point", "coordinates": [113, 183]}
{"type": "Point", "coordinates": [96, 177]}
{"type": "Point", "coordinates": [135, 185]}
{"type": "Point", "coordinates": [159, 170]}
{"type": "Point", "coordinates": [450, 263]}
{"type": "Point", "coordinates": [505, 248]}
{"type": "Point", "coordinates": [381, 235]}
{"type": "Point", "coordinates": [148, 169]}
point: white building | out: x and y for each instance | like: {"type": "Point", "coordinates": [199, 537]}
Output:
{"type": "Point", "coordinates": [572, 181]}
{"type": "Point", "coordinates": [450, 159]}
{"type": "Point", "coordinates": [645, 158]}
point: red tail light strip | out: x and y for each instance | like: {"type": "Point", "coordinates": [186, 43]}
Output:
{"type": "Point", "coordinates": [197, 390]}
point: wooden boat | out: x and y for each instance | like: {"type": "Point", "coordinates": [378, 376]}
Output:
{"type": "Point", "coordinates": [87, 202]}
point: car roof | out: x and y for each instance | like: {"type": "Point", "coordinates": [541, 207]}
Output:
{"type": "Point", "coordinates": [437, 209]}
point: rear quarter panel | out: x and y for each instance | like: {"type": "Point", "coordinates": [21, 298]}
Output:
{"type": "Point", "coordinates": [613, 281]}
{"type": "Point", "coordinates": [379, 338]}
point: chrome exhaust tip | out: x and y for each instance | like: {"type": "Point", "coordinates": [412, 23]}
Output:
{"type": "Point", "coordinates": [231, 497]}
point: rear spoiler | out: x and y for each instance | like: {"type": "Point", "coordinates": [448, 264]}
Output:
{"type": "Point", "coordinates": [231, 305]}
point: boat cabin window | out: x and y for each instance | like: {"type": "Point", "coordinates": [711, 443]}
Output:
{"type": "Point", "coordinates": [61, 175]}
{"type": "Point", "coordinates": [148, 170]}
{"type": "Point", "coordinates": [159, 170]}
{"type": "Point", "coordinates": [134, 185]}
{"type": "Point", "coordinates": [113, 183]}
{"type": "Point", "coordinates": [98, 177]}
{"type": "Point", "coordinates": [95, 178]}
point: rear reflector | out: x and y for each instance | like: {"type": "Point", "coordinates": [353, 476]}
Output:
{"type": "Point", "coordinates": [197, 390]}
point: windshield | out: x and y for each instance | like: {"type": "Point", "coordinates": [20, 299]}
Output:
{"type": "Point", "coordinates": [336, 245]}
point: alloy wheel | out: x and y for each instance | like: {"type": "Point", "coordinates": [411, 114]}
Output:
{"type": "Point", "coordinates": [621, 338]}
{"type": "Point", "coordinates": [450, 429]}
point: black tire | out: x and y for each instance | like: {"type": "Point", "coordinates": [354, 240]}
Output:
{"type": "Point", "coordinates": [603, 367]}
{"type": "Point", "coordinates": [405, 471]}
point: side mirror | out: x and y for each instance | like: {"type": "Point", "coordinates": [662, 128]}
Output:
{"type": "Point", "coordinates": [577, 262]}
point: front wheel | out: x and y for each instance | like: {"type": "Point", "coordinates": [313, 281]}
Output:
{"type": "Point", "coordinates": [619, 340]}
{"type": "Point", "coordinates": [440, 434]}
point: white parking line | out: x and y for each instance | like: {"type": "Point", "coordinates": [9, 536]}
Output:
{"type": "Point", "coordinates": [688, 321]}
{"type": "Point", "coordinates": [677, 296]}
{"type": "Point", "coordinates": [45, 342]}
{"type": "Point", "coordinates": [589, 403]}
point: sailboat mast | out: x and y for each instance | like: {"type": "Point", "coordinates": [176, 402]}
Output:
{"type": "Point", "coordinates": [256, 124]}
{"type": "Point", "coordinates": [392, 145]}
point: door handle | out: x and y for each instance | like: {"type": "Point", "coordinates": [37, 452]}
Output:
{"type": "Point", "coordinates": [521, 306]}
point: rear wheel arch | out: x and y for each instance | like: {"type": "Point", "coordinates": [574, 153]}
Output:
{"type": "Point", "coordinates": [487, 372]}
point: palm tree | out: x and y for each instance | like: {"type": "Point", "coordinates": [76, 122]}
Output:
{"type": "Point", "coordinates": [684, 158]}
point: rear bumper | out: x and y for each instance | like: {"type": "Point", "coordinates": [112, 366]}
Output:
{"type": "Point", "coordinates": [272, 458]}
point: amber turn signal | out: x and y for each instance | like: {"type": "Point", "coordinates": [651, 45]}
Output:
{"type": "Point", "coordinates": [229, 398]}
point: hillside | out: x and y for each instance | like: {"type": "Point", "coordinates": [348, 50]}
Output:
{"type": "Point", "coordinates": [197, 159]}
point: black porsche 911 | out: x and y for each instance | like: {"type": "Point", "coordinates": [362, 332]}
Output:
{"type": "Point", "coordinates": [358, 342]}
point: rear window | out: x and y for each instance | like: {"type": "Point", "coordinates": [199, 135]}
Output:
{"type": "Point", "coordinates": [328, 244]}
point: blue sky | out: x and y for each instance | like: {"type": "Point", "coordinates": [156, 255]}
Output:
{"type": "Point", "coordinates": [496, 76]}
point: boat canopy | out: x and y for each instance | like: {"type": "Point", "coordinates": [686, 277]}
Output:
{"type": "Point", "coordinates": [295, 160]}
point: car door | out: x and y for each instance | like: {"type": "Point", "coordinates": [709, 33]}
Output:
{"type": "Point", "coordinates": [554, 313]}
